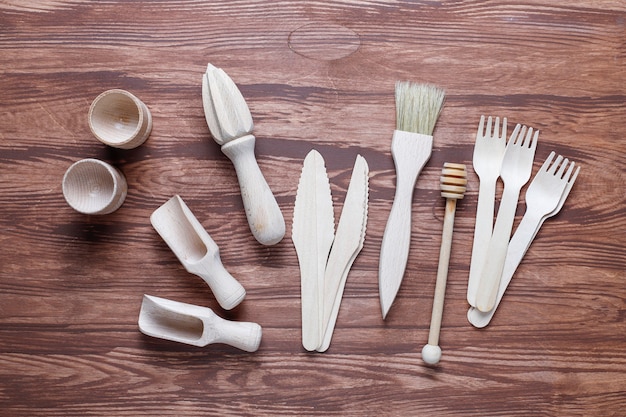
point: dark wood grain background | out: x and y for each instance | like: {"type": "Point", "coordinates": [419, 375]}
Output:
{"type": "Point", "coordinates": [315, 75]}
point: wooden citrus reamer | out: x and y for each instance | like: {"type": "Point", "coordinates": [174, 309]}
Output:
{"type": "Point", "coordinates": [452, 184]}
{"type": "Point", "coordinates": [230, 123]}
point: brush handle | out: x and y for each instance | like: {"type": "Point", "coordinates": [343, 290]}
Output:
{"type": "Point", "coordinates": [410, 152]}
{"type": "Point", "coordinates": [264, 216]}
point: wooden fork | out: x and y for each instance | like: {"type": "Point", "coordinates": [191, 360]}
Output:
{"type": "Point", "coordinates": [516, 168]}
{"type": "Point", "coordinates": [544, 198]}
{"type": "Point", "coordinates": [487, 160]}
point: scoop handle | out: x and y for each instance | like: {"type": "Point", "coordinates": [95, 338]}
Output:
{"type": "Point", "coordinates": [264, 216]}
{"type": "Point", "coordinates": [228, 292]}
{"type": "Point", "coordinates": [240, 334]}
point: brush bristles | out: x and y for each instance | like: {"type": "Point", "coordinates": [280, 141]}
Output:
{"type": "Point", "coordinates": [418, 107]}
{"type": "Point", "coordinates": [453, 181]}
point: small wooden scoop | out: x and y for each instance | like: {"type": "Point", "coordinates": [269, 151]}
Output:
{"type": "Point", "coordinates": [195, 249]}
{"type": "Point", "coordinates": [194, 325]}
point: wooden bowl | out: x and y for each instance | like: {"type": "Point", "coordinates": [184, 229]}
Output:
{"type": "Point", "coordinates": [91, 186]}
{"type": "Point", "coordinates": [119, 119]}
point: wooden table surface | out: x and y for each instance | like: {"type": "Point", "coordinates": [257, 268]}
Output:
{"type": "Point", "coordinates": [316, 75]}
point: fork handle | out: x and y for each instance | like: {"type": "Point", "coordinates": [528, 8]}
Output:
{"type": "Point", "coordinates": [518, 246]}
{"type": "Point", "coordinates": [496, 251]}
{"type": "Point", "coordinates": [482, 234]}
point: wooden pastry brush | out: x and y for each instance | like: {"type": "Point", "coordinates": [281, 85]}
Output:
{"type": "Point", "coordinates": [417, 109]}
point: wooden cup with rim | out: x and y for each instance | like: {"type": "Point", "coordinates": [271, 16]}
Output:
{"type": "Point", "coordinates": [92, 186]}
{"type": "Point", "coordinates": [119, 119]}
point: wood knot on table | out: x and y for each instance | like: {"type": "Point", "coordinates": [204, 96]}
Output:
{"type": "Point", "coordinates": [324, 41]}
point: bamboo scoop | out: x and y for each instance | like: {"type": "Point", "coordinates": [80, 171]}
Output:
{"type": "Point", "coordinates": [230, 123]}
{"type": "Point", "coordinates": [195, 249]}
{"type": "Point", "coordinates": [453, 181]}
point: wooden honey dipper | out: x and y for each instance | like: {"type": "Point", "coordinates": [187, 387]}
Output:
{"type": "Point", "coordinates": [452, 184]}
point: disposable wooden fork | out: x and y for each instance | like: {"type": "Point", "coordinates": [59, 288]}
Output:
{"type": "Point", "coordinates": [487, 161]}
{"type": "Point", "coordinates": [515, 172]}
{"type": "Point", "coordinates": [544, 198]}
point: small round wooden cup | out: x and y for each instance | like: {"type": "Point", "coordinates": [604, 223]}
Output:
{"type": "Point", "coordinates": [119, 119]}
{"type": "Point", "coordinates": [91, 186]}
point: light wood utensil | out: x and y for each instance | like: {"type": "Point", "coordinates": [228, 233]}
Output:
{"type": "Point", "coordinates": [119, 119]}
{"type": "Point", "coordinates": [230, 123]}
{"type": "Point", "coordinates": [516, 169]}
{"type": "Point", "coordinates": [417, 109]}
{"type": "Point", "coordinates": [487, 161]}
{"type": "Point", "coordinates": [195, 325]}
{"type": "Point", "coordinates": [347, 245]}
{"type": "Point", "coordinates": [324, 270]}
{"type": "Point", "coordinates": [196, 250]}
{"type": "Point", "coordinates": [540, 198]}
{"type": "Point", "coordinates": [453, 185]}
{"type": "Point", "coordinates": [91, 186]}
{"type": "Point", "coordinates": [313, 231]}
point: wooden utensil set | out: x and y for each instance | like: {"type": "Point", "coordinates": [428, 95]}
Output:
{"type": "Point", "coordinates": [119, 119]}
{"type": "Point", "coordinates": [325, 257]}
